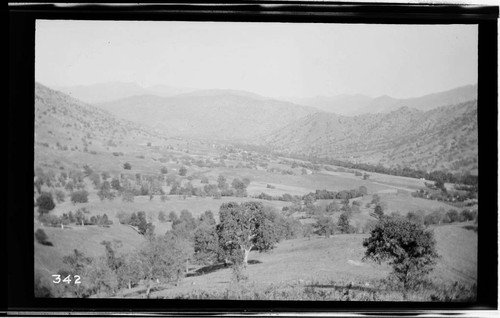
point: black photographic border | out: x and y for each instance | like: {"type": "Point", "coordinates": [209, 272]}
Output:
{"type": "Point", "coordinates": [20, 122]}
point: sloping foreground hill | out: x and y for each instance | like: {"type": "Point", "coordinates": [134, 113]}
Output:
{"type": "Point", "coordinates": [219, 114]}
{"type": "Point", "coordinates": [49, 259]}
{"type": "Point", "coordinates": [328, 263]}
{"type": "Point", "coordinates": [446, 137]}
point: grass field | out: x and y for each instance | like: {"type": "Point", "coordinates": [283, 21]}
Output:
{"type": "Point", "coordinates": [86, 239]}
{"type": "Point", "coordinates": [195, 205]}
{"type": "Point", "coordinates": [299, 262]}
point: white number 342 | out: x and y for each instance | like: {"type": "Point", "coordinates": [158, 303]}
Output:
{"type": "Point", "coordinates": [67, 279]}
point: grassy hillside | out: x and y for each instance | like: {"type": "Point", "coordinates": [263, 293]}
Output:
{"type": "Point", "coordinates": [225, 115]}
{"type": "Point", "coordinates": [86, 239]}
{"type": "Point", "coordinates": [69, 132]}
{"type": "Point", "coordinates": [323, 263]}
{"type": "Point", "coordinates": [442, 138]}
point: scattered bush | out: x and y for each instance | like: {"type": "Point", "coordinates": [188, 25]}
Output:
{"type": "Point", "coordinates": [80, 196]}
{"type": "Point", "coordinates": [99, 220]}
{"type": "Point", "coordinates": [127, 166]}
{"type": "Point", "coordinates": [325, 226]}
{"type": "Point", "coordinates": [128, 196]}
{"type": "Point", "coordinates": [182, 171]}
{"type": "Point", "coordinates": [416, 216]}
{"type": "Point", "coordinates": [375, 199]}
{"type": "Point", "coordinates": [467, 215]}
{"type": "Point", "coordinates": [343, 224]}
{"type": "Point", "coordinates": [41, 237]}
{"type": "Point", "coordinates": [378, 213]}
{"type": "Point", "coordinates": [139, 220]}
{"type": "Point", "coordinates": [435, 217]}
{"type": "Point", "coordinates": [452, 216]}
{"type": "Point", "coordinates": [45, 203]}
{"type": "Point", "coordinates": [162, 217]}
{"type": "Point", "coordinates": [49, 220]}
{"type": "Point", "coordinates": [105, 191]}
{"type": "Point", "coordinates": [60, 196]}
{"type": "Point", "coordinates": [123, 217]}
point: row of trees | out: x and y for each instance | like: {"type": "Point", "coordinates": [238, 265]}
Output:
{"type": "Point", "coordinates": [138, 221]}
{"type": "Point", "coordinates": [238, 188]}
{"type": "Point", "coordinates": [442, 194]}
{"type": "Point", "coordinates": [311, 197]}
{"type": "Point", "coordinates": [80, 217]}
{"type": "Point", "coordinates": [437, 175]}
{"type": "Point", "coordinates": [341, 195]}
{"type": "Point", "coordinates": [45, 201]}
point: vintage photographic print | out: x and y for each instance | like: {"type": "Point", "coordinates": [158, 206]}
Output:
{"type": "Point", "coordinates": [256, 161]}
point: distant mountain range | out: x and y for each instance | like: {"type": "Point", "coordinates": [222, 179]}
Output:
{"type": "Point", "coordinates": [347, 105]}
{"type": "Point", "coordinates": [209, 114]}
{"type": "Point", "coordinates": [105, 92]}
{"type": "Point", "coordinates": [351, 105]}
{"type": "Point", "coordinates": [436, 131]}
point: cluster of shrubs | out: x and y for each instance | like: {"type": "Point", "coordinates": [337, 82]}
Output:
{"type": "Point", "coordinates": [78, 218]}
{"type": "Point", "coordinates": [222, 189]}
{"type": "Point", "coordinates": [137, 220]}
{"type": "Point", "coordinates": [326, 226]}
{"type": "Point", "coordinates": [441, 194]}
{"type": "Point", "coordinates": [285, 197]}
{"type": "Point", "coordinates": [442, 217]}
{"type": "Point", "coordinates": [313, 196]}
{"type": "Point", "coordinates": [341, 195]}
{"type": "Point", "coordinates": [282, 171]}
{"type": "Point", "coordinates": [304, 165]}
{"type": "Point", "coordinates": [313, 210]}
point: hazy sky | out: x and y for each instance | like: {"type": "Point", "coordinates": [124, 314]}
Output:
{"type": "Point", "coordinates": [272, 59]}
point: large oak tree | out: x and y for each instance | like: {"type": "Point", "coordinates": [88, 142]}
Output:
{"type": "Point", "coordinates": [244, 227]}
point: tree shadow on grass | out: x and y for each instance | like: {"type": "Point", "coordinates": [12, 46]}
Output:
{"type": "Point", "coordinates": [470, 227]}
{"type": "Point", "coordinates": [216, 267]}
